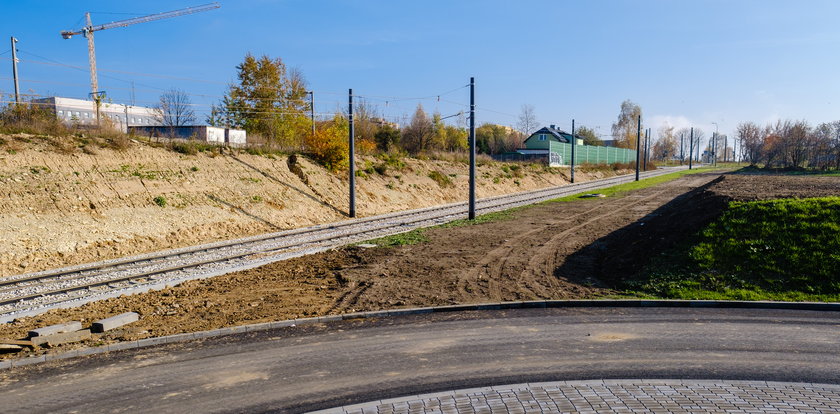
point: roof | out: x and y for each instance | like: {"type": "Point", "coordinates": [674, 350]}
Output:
{"type": "Point", "coordinates": [557, 133]}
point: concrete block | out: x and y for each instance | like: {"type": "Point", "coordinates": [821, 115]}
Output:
{"type": "Point", "coordinates": [61, 338]}
{"type": "Point", "coordinates": [56, 329]}
{"type": "Point", "coordinates": [29, 361]}
{"type": "Point", "coordinates": [10, 348]}
{"type": "Point", "coordinates": [107, 324]}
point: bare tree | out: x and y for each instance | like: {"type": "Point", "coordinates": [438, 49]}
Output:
{"type": "Point", "coordinates": [527, 120]}
{"type": "Point", "coordinates": [625, 127]}
{"type": "Point", "coordinates": [417, 136]}
{"type": "Point", "coordinates": [174, 109]}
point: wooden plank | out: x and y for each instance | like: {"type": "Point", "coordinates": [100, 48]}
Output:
{"type": "Point", "coordinates": [16, 342]}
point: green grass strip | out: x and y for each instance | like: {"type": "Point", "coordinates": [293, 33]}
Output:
{"type": "Point", "coordinates": [417, 236]}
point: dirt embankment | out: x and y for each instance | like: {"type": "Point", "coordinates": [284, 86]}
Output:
{"type": "Point", "coordinates": [66, 206]}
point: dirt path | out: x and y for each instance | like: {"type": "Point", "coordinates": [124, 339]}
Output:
{"type": "Point", "coordinates": [562, 250]}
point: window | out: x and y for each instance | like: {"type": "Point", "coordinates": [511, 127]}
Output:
{"type": "Point", "coordinates": [542, 137]}
{"type": "Point", "coordinates": [60, 113]}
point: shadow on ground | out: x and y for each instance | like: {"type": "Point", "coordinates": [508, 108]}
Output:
{"type": "Point", "coordinates": [620, 255]}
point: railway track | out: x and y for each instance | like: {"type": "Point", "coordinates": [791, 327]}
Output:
{"type": "Point", "coordinates": [32, 293]}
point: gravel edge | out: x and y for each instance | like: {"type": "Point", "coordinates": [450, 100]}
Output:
{"type": "Point", "coordinates": [599, 303]}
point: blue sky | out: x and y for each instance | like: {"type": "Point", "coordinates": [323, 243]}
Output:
{"type": "Point", "coordinates": [685, 62]}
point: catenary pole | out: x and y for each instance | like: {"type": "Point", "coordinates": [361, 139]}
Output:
{"type": "Point", "coordinates": [645, 156]}
{"type": "Point", "coordinates": [574, 144]}
{"type": "Point", "coordinates": [638, 145]}
{"type": "Point", "coordinates": [312, 111]}
{"type": "Point", "coordinates": [352, 159]}
{"type": "Point", "coordinates": [472, 149]}
{"type": "Point", "coordinates": [14, 70]}
{"type": "Point", "coordinates": [690, 147]}
{"type": "Point", "coordinates": [682, 152]}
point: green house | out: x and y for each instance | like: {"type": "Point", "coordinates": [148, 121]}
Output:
{"type": "Point", "coordinates": [542, 138]}
{"type": "Point", "coordinates": [555, 145]}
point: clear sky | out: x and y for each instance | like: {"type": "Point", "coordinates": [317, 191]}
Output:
{"type": "Point", "coordinates": [685, 62]}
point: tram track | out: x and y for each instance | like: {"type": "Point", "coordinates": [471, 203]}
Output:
{"type": "Point", "coordinates": [33, 293]}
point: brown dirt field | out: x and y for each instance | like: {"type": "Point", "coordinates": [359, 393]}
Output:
{"type": "Point", "coordinates": [61, 205]}
{"type": "Point", "coordinates": [559, 250]}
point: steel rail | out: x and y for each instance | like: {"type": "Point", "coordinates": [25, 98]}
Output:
{"type": "Point", "coordinates": [323, 234]}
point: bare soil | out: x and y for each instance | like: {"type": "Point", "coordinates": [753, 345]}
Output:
{"type": "Point", "coordinates": [61, 205]}
{"type": "Point", "coordinates": [562, 250]}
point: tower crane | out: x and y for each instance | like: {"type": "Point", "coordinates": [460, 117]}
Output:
{"type": "Point", "coordinates": [89, 28]}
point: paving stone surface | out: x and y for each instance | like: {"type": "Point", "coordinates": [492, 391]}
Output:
{"type": "Point", "coordinates": [617, 396]}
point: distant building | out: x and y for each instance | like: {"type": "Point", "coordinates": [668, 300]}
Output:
{"type": "Point", "coordinates": [214, 135]}
{"type": "Point", "coordinates": [82, 112]}
{"type": "Point", "coordinates": [555, 147]}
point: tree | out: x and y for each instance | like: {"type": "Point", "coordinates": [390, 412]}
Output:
{"type": "Point", "coordinates": [387, 138]}
{"type": "Point", "coordinates": [666, 146]}
{"type": "Point", "coordinates": [417, 136]}
{"type": "Point", "coordinates": [751, 137]}
{"type": "Point", "coordinates": [496, 139]}
{"type": "Point", "coordinates": [624, 129]}
{"type": "Point", "coordinates": [589, 136]}
{"type": "Point", "coordinates": [527, 120]}
{"type": "Point", "coordinates": [174, 109]}
{"type": "Point", "coordinates": [268, 100]}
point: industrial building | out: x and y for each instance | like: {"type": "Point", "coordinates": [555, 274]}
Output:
{"type": "Point", "coordinates": [215, 135]}
{"type": "Point", "coordinates": [83, 112]}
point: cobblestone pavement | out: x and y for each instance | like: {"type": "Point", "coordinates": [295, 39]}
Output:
{"type": "Point", "coordinates": [618, 396]}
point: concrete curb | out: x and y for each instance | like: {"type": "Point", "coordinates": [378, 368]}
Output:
{"type": "Point", "coordinates": [600, 303]}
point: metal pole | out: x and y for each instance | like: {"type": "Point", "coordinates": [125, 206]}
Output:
{"type": "Point", "coordinates": [682, 151]}
{"type": "Point", "coordinates": [352, 161]}
{"type": "Point", "coordinates": [638, 143]}
{"type": "Point", "coordinates": [126, 119]}
{"type": "Point", "coordinates": [14, 70]}
{"type": "Point", "coordinates": [725, 144]}
{"type": "Point", "coordinates": [644, 159]}
{"type": "Point", "coordinates": [472, 149]}
{"type": "Point", "coordinates": [574, 144]}
{"type": "Point", "coordinates": [312, 111]}
{"type": "Point", "coordinates": [690, 148]}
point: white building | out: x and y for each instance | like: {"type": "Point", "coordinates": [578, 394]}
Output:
{"type": "Point", "coordinates": [83, 112]}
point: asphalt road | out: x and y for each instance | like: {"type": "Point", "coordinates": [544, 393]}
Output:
{"type": "Point", "coordinates": [312, 367]}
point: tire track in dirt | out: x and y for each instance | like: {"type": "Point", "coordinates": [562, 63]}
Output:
{"type": "Point", "coordinates": [544, 257]}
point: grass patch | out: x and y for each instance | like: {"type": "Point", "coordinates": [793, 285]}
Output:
{"type": "Point", "coordinates": [787, 249]}
{"type": "Point", "coordinates": [160, 201]}
{"type": "Point", "coordinates": [633, 185]}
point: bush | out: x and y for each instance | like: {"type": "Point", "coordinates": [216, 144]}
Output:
{"type": "Point", "coordinates": [329, 147]}
{"type": "Point", "coordinates": [160, 201]}
{"type": "Point", "coordinates": [441, 179]}
{"type": "Point", "coordinates": [31, 119]}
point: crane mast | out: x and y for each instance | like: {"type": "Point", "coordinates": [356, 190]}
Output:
{"type": "Point", "coordinates": [89, 28]}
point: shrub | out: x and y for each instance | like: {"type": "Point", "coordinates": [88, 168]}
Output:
{"type": "Point", "coordinates": [160, 201]}
{"type": "Point", "coordinates": [441, 179]}
{"type": "Point", "coordinates": [328, 147]}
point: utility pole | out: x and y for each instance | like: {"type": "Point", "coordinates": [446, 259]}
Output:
{"type": "Point", "coordinates": [644, 162]}
{"type": "Point", "coordinates": [472, 149]}
{"type": "Point", "coordinates": [312, 111]}
{"type": "Point", "coordinates": [14, 70]}
{"type": "Point", "coordinates": [352, 161]}
{"type": "Point", "coordinates": [690, 148]}
{"type": "Point", "coordinates": [638, 143]}
{"type": "Point", "coordinates": [126, 118]}
{"type": "Point", "coordinates": [574, 144]}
